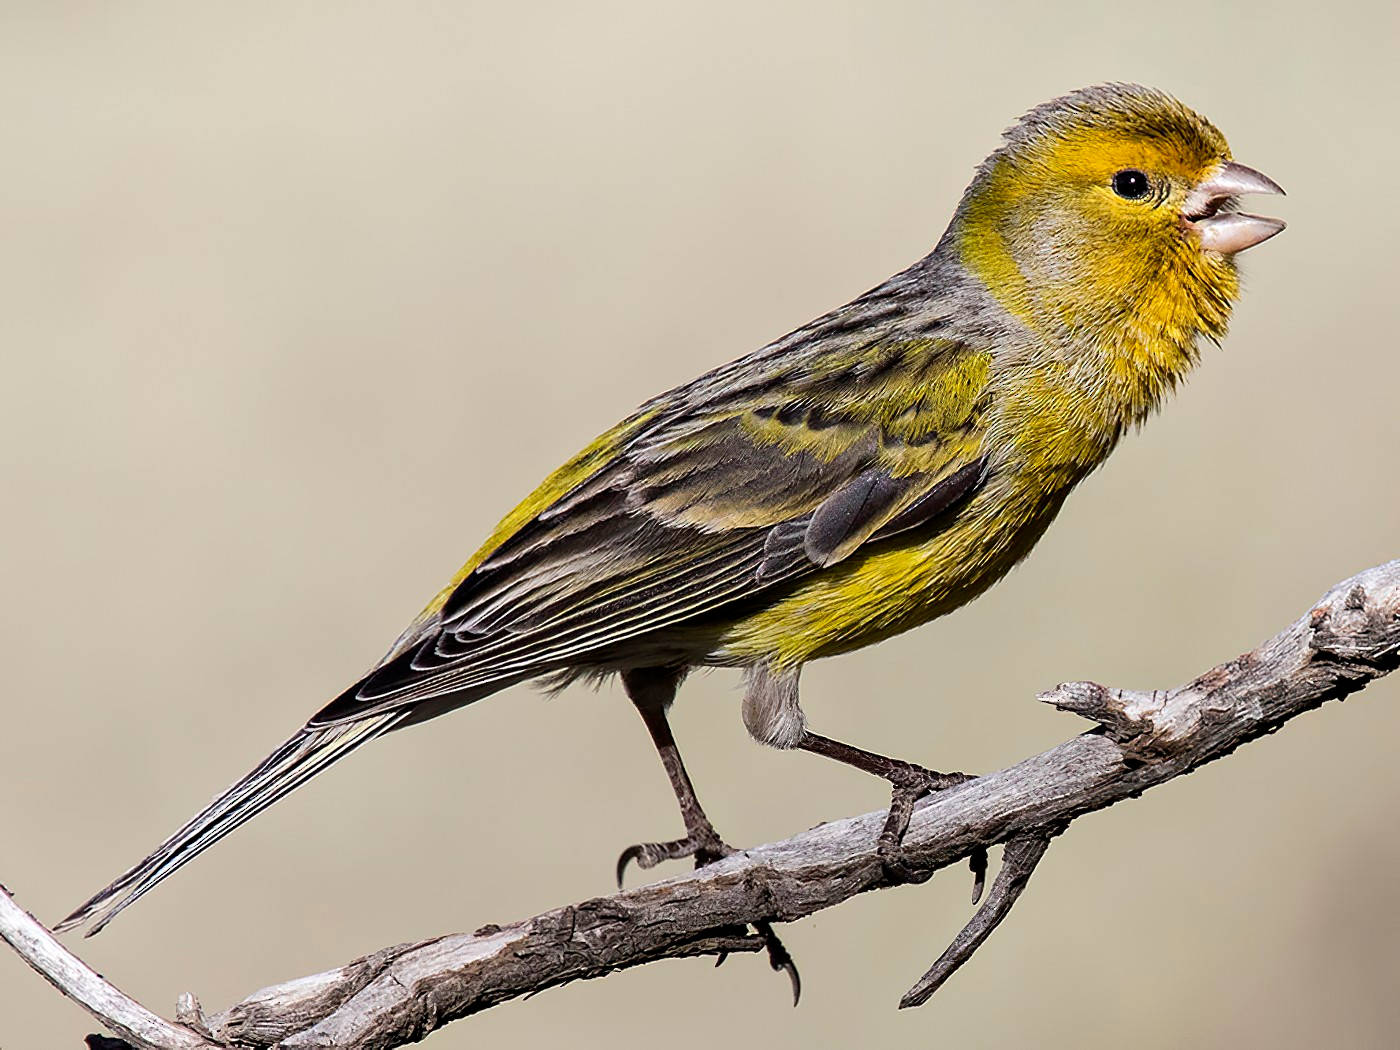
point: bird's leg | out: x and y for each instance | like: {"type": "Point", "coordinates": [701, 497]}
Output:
{"type": "Point", "coordinates": [909, 782]}
{"type": "Point", "coordinates": [774, 716]}
{"type": "Point", "coordinates": [651, 691]}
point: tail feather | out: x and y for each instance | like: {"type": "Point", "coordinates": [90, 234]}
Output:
{"type": "Point", "coordinates": [296, 761]}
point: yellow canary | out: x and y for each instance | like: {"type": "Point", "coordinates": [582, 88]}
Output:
{"type": "Point", "coordinates": [874, 469]}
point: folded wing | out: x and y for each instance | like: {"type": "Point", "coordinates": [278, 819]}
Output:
{"type": "Point", "coordinates": [718, 498]}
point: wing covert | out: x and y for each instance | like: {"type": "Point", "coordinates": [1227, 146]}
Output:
{"type": "Point", "coordinates": [710, 502]}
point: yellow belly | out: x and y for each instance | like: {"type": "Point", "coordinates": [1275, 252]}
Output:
{"type": "Point", "coordinates": [893, 587]}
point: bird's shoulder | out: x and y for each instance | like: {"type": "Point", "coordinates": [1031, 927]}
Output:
{"type": "Point", "coordinates": [770, 443]}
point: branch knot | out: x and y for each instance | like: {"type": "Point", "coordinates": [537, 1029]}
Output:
{"type": "Point", "coordinates": [1137, 721]}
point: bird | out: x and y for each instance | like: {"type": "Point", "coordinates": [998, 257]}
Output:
{"type": "Point", "coordinates": [873, 470]}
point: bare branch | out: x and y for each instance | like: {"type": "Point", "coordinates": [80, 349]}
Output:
{"type": "Point", "coordinates": [75, 979]}
{"type": "Point", "coordinates": [1021, 856]}
{"type": "Point", "coordinates": [402, 993]}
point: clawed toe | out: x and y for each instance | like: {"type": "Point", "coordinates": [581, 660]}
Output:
{"type": "Point", "coordinates": [778, 957]}
{"type": "Point", "coordinates": [912, 783]}
{"type": "Point", "coordinates": [978, 863]}
{"type": "Point", "coordinates": [705, 849]}
{"type": "Point", "coordinates": [920, 781]}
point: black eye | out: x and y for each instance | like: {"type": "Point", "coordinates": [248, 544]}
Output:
{"type": "Point", "coordinates": [1131, 184]}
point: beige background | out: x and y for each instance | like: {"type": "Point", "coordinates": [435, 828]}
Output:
{"type": "Point", "coordinates": [296, 302]}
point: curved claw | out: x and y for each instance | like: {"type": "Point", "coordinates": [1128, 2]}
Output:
{"type": "Point", "coordinates": [978, 863]}
{"type": "Point", "coordinates": [646, 855]}
{"type": "Point", "coordinates": [650, 854]}
{"type": "Point", "coordinates": [779, 959]}
{"type": "Point", "coordinates": [624, 858]}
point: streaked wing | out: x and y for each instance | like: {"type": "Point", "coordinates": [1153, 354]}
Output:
{"type": "Point", "coordinates": [724, 493]}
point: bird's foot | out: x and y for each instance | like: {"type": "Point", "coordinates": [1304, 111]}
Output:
{"type": "Point", "coordinates": [778, 957]}
{"type": "Point", "coordinates": [911, 783]}
{"type": "Point", "coordinates": [704, 844]}
{"type": "Point", "coordinates": [706, 847]}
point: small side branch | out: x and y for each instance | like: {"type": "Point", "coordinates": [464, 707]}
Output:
{"type": "Point", "coordinates": [1019, 859]}
{"type": "Point", "coordinates": [1142, 739]}
{"type": "Point", "coordinates": [75, 979]}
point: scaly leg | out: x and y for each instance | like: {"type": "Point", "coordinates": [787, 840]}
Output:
{"type": "Point", "coordinates": [908, 781]}
{"type": "Point", "coordinates": [651, 691]}
{"type": "Point", "coordinates": [774, 716]}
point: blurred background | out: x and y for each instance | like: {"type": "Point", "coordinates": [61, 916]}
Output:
{"type": "Point", "coordinates": [296, 301]}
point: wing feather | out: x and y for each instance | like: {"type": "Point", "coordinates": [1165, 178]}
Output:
{"type": "Point", "coordinates": [708, 506]}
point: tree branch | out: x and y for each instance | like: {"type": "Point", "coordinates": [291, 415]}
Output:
{"type": "Point", "coordinates": [74, 978]}
{"type": "Point", "coordinates": [1143, 739]}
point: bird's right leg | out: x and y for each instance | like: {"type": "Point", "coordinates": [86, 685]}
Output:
{"type": "Point", "coordinates": [773, 716]}
{"type": "Point", "coordinates": [651, 690]}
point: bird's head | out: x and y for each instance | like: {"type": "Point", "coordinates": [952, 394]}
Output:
{"type": "Point", "coordinates": [1113, 206]}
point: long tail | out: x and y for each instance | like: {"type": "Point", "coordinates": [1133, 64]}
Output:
{"type": "Point", "coordinates": [300, 758]}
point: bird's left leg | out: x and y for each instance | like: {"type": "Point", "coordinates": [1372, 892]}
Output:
{"type": "Point", "coordinates": [773, 716]}
{"type": "Point", "coordinates": [651, 690]}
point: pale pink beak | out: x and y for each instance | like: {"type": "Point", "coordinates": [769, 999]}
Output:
{"type": "Point", "coordinates": [1229, 232]}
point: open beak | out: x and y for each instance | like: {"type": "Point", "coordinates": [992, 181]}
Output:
{"type": "Point", "coordinates": [1208, 209]}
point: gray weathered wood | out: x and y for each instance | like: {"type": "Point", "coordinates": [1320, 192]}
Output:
{"type": "Point", "coordinates": [1351, 636]}
{"type": "Point", "coordinates": [75, 979]}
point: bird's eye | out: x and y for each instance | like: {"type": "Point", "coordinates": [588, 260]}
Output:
{"type": "Point", "coordinates": [1131, 184]}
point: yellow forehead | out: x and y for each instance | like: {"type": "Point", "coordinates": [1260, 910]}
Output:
{"type": "Point", "coordinates": [1090, 133]}
{"type": "Point", "coordinates": [1091, 155]}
